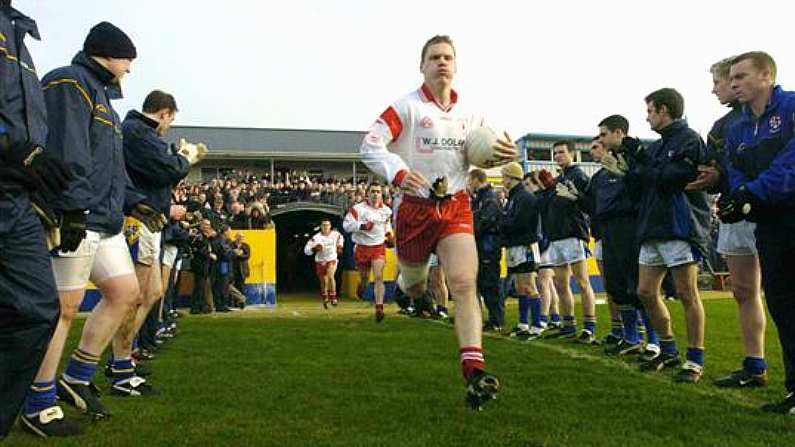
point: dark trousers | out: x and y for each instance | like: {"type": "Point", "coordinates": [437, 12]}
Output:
{"type": "Point", "coordinates": [488, 286]}
{"type": "Point", "coordinates": [221, 291]}
{"type": "Point", "coordinates": [29, 305]}
{"type": "Point", "coordinates": [776, 248]}
{"type": "Point", "coordinates": [146, 336]}
{"type": "Point", "coordinates": [620, 259]}
{"type": "Point", "coordinates": [198, 303]}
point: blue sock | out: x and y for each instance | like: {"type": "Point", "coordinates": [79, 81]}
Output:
{"type": "Point", "coordinates": [651, 334]}
{"type": "Point", "coordinates": [544, 319]}
{"type": "Point", "coordinates": [569, 324]}
{"type": "Point", "coordinates": [440, 308]}
{"type": "Point", "coordinates": [617, 328]}
{"type": "Point", "coordinates": [629, 315]}
{"type": "Point", "coordinates": [81, 367]}
{"type": "Point", "coordinates": [696, 355]}
{"type": "Point", "coordinates": [41, 396]}
{"type": "Point", "coordinates": [755, 365]}
{"type": "Point", "coordinates": [668, 346]}
{"type": "Point", "coordinates": [535, 310]}
{"type": "Point", "coordinates": [524, 309]}
{"type": "Point", "coordinates": [589, 323]}
{"type": "Point", "coordinates": [122, 369]}
{"type": "Point", "coordinates": [555, 318]}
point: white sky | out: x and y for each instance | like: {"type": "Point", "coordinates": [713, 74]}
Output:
{"type": "Point", "coordinates": [552, 66]}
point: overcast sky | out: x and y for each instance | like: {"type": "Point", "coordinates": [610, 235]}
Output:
{"type": "Point", "coordinates": [550, 66]}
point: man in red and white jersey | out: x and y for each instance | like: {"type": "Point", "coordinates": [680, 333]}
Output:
{"type": "Point", "coordinates": [368, 223]}
{"type": "Point", "coordinates": [417, 144]}
{"type": "Point", "coordinates": [326, 245]}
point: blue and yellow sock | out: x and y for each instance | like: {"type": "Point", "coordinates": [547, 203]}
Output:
{"type": "Point", "coordinates": [122, 369]}
{"type": "Point", "coordinates": [555, 318]}
{"type": "Point", "coordinates": [81, 368]}
{"type": "Point", "coordinates": [651, 334]}
{"type": "Point", "coordinates": [535, 310]}
{"type": "Point", "coordinates": [524, 309]}
{"type": "Point", "coordinates": [755, 365]}
{"type": "Point", "coordinates": [544, 319]}
{"type": "Point", "coordinates": [629, 316]}
{"type": "Point", "coordinates": [569, 324]}
{"type": "Point", "coordinates": [40, 397]}
{"type": "Point", "coordinates": [589, 323]}
{"type": "Point", "coordinates": [695, 355]}
{"type": "Point", "coordinates": [668, 346]}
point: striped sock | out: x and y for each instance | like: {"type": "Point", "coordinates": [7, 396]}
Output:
{"type": "Point", "coordinates": [81, 367]}
{"type": "Point", "coordinates": [589, 323]}
{"type": "Point", "coordinates": [122, 369]}
{"type": "Point", "coordinates": [555, 318]}
{"type": "Point", "coordinates": [569, 323]}
{"type": "Point", "coordinates": [471, 359]}
{"type": "Point", "coordinates": [41, 396]}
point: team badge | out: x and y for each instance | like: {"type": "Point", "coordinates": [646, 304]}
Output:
{"type": "Point", "coordinates": [426, 122]}
{"type": "Point", "coordinates": [775, 123]}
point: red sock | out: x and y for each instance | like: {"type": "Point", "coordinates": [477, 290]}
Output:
{"type": "Point", "coordinates": [471, 359]}
{"type": "Point", "coordinates": [333, 296]}
{"type": "Point", "coordinates": [379, 307]}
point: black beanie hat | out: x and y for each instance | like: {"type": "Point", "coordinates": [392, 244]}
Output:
{"type": "Point", "coordinates": [106, 40]}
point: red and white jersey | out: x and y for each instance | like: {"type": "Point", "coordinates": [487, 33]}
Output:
{"type": "Point", "coordinates": [360, 214]}
{"type": "Point", "coordinates": [329, 242]}
{"type": "Point", "coordinates": [417, 134]}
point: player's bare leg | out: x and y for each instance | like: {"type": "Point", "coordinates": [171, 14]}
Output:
{"type": "Point", "coordinates": [650, 280]}
{"type": "Point", "coordinates": [686, 281]}
{"type": "Point", "coordinates": [441, 295]}
{"type": "Point", "coordinates": [458, 257]}
{"type": "Point", "coordinates": [378, 288]}
{"type": "Point", "coordinates": [562, 281]}
{"type": "Point", "coordinates": [549, 297]}
{"type": "Point", "coordinates": [588, 299]}
{"type": "Point", "coordinates": [331, 283]}
{"type": "Point", "coordinates": [123, 339]}
{"type": "Point", "coordinates": [364, 279]}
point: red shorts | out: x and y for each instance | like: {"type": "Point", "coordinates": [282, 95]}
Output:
{"type": "Point", "coordinates": [421, 223]}
{"type": "Point", "coordinates": [366, 254]}
{"type": "Point", "coordinates": [321, 268]}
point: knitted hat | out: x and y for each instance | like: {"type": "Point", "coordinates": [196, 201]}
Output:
{"type": "Point", "coordinates": [106, 40]}
{"type": "Point", "coordinates": [513, 169]}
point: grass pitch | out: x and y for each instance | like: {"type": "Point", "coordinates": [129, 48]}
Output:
{"type": "Point", "coordinates": [299, 375]}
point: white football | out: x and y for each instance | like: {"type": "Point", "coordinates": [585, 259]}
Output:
{"type": "Point", "coordinates": [479, 147]}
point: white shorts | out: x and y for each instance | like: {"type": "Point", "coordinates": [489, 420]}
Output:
{"type": "Point", "coordinates": [99, 257]}
{"type": "Point", "coordinates": [566, 251]}
{"type": "Point", "coordinates": [543, 260]}
{"type": "Point", "coordinates": [169, 255]}
{"type": "Point", "coordinates": [144, 245]}
{"type": "Point", "coordinates": [521, 254]}
{"type": "Point", "coordinates": [433, 260]}
{"type": "Point", "coordinates": [597, 250]}
{"type": "Point", "coordinates": [737, 239]}
{"type": "Point", "coordinates": [667, 253]}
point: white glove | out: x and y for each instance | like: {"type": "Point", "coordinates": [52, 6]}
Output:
{"type": "Point", "coordinates": [616, 165]}
{"type": "Point", "coordinates": [194, 153]}
{"type": "Point", "coordinates": [567, 191]}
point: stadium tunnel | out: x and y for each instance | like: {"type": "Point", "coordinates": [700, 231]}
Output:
{"type": "Point", "coordinates": [295, 224]}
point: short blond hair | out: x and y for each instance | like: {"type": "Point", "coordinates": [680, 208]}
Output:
{"type": "Point", "coordinates": [721, 68]}
{"type": "Point", "coordinates": [760, 60]}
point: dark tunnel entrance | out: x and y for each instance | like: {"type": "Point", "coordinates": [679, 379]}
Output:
{"type": "Point", "coordinates": [295, 271]}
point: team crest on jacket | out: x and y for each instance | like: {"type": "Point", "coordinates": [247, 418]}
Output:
{"type": "Point", "coordinates": [426, 122]}
{"type": "Point", "coordinates": [775, 123]}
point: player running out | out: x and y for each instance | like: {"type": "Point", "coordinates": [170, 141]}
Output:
{"type": "Point", "coordinates": [325, 246]}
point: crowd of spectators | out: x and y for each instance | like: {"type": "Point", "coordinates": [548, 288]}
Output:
{"type": "Point", "coordinates": [243, 200]}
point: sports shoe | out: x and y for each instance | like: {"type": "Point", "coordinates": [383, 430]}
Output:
{"type": "Point", "coordinates": [650, 352]}
{"type": "Point", "coordinates": [50, 422]}
{"type": "Point", "coordinates": [623, 348]}
{"type": "Point", "coordinates": [555, 325]}
{"type": "Point", "coordinates": [334, 302]}
{"type": "Point", "coordinates": [325, 303]}
{"type": "Point", "coordinates": [611, 339]}
{"type": "Point", "coordinates": [660, 362]}
{"type": "Point", "coordinates": [562, 333]}
{"type": "Point", "coordinates": [519, 333]}
{"type": "Point", "coordinates": [690, 372]}
{"type": "Point", "coordinates": [379, 315]}
{"type": "Point", "coordinates": [134, 386]}
{"type": "Point", "coordinates": [143, 354]}
{"type": "Point", "coordinates": [140, 370]}
{"type": "Point", "coordinates": [786, 406]}
{"type": "Point", "coordinates": [83, 396]}
{"type": "Point", "coordinates": [586, 337]}
{"type": "Point", "coordinates": [535, 333]}
{"type": "Point", "coordinates": [742, 379]}
{"type": "Point", "coordinates": [360, 291]}
{"type": "Point", "coordinates": [490, 327]}
{"type": "Point", "coordinates": [481, 388]}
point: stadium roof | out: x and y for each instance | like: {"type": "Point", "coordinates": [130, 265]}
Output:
{"type": "Point", "coordinates": [242, 142]}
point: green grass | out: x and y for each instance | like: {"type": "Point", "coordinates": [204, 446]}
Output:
{"type": "Point", "coordinates": [301, 376]}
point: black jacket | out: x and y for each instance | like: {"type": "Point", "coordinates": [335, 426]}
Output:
{"type": "Point", "coordinates": [487, 216]}
{"type": "Point", "coordinates": [85, 133]}
{"type": "Point", "coordinates": [151, 165]}
{"type": "Point", "coordinates": [667, 211]}
{"type": "Point", "coordinates": [520, 221]}
{"type": "Point", "coordinates": [23, 115]}
{"type": "Point", "coordinates": [563, 218]}
{"type": "Point", "coordinates": [716, 142]}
